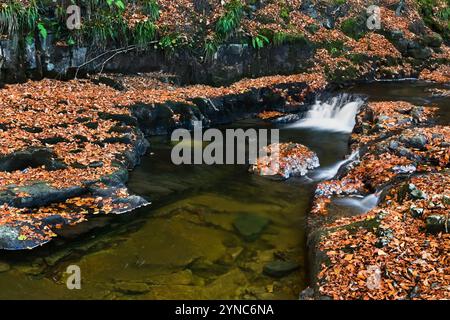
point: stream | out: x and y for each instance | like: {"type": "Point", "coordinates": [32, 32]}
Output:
{"type": "Point", "coordinates": [186, 244]}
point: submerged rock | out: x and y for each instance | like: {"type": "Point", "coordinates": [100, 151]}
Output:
{"type": "Point", "coordinates": [280, 268]}
{"type": "Point", "coordinates": [4, 267]}
{"type": "Point", "coordinates": [132, 287]}
{"type": "Point", "coordinates": [286, 160]}
{"type": "Point", "coordinates": [250, 226]}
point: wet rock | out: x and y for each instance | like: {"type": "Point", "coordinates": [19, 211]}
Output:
{"type": "Point", "coordinates": [418, 141]}
{"type": "Point", "coordinates": [96, 164]}
{"type": "Point", "coordinates": [132, 287]}
{"type": "Point", "coordinates": [393, 145]}
{"type": "Point", "coordinates": [92, 125]}
{"type": "Point", "coordinates": [4, 267]}
{"type": "Point", "coordinates": [280, 268]}
{"type": "Point", "coordinates": [34, 157]}
{"type": "Point", "coordinates": [416, 113]}
{"type": "Point", "coordinates": [437, 223]}
{"type": "Point", "coordinates": [38, 194]}
{"type": "Point", "coordinates": [307, 294]}
{"type": "Point", "coordinates": [122, 118]}
{"type": "Point", "coordinates": [385, 236]}
{"type": "Point", "coordinates": [416, 193]}
{"type": "Point", "coordinates": [416, 212]}
{"type": "Point", "coordinates": [250, 226]}
{"type": "Point", "coordinates": [285, 160]}
{"type": "Point", "coordinates": [404, 169]}
{"type": "Point", "coordinates": [290, 118]}
{"type": "Point", "coordinates": [433, 40]}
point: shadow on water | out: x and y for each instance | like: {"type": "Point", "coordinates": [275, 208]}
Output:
{"type": "Point", "coordinates": [209, 233]}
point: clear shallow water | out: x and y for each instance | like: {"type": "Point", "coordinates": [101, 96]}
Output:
{"type": "Point", "coordinates": [184, 246]}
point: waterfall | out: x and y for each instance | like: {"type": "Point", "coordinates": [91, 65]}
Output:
{"type": "Point", "coordinates": [330, 172]}
{"type": "Point", "coordinates": [337, 114]}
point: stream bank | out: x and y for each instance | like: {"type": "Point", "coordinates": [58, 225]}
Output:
{"type": "Point", "coordinates": [395, 247]}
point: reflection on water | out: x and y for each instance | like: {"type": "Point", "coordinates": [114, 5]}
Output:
{"type": "Point", "coordinates": [209, 233]}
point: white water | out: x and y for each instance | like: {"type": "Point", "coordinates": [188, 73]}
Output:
{"type": "Point", "coordinates": [362, 204]}
{"type": "Point", "coordinates": [337, 114]}
{"type": "Point", "coordinates": [330, 172]}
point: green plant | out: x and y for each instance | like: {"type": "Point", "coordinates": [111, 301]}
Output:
{"type": "Point", "coordinates": [312, 28]}
{"type": "Point", "coordinates": [259, 41]}
{"type": "Point", "coordinates": [117, 3]}
{"type": "Point", "coordinates": [151, 8]}
{"type": "Point", "coordinates": [42, 30]}
{"type": "Point", "coordinates": [226, 24]}
{"type": "Point", "coordinates": [144, 33]}
{"type": "Point", "coordinates": [105, 28]}
{"type": "Point", "coordinates": [282, 37]}
{"type": "Point", "coordinates": [335, 48]}
{"type": "Point", "coordinates": [437, 20]}
{"type": "Point", "coordinates": [284, 13]}
{"type": "Point", "coordinates": [211, 47]}
{"type": "Point", "coordinates": [340, 2]}
{"type": "Point", "coordinates": [170, 41]}
{"type": "Point", "coordinates": [353, 28]}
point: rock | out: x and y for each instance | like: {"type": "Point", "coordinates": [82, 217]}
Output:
{"type": "Point", "coordinates": [418, 141]}
{"type": "Point", "coordinates": [393, 145]}
{"type": "Point", "coordinates": [385, 236]}
{"type": "Point", "coordinates": [437, 223]}
{"type": "Point", "coordinates": [307, 294]}
{"type": "Point", "coordinates": [4, 267]}
{"type": "Point", "coordinates": [416, 212]}
{"type": "Point", "coordinates": [433, 40]}
{"type": "Point", "coordinates": [446, 200]}
{"type": "Point", "coordinates": [418, 194]}
{"type": "Point", "coordinates": [280, 268]}
{"type": "Point", "coordinates": [290, 118]}
{"type": "Point", "coordinates": [285, 160]}
{"type": "Point", "coordinates": [96, 164]}
{"type": "Point", "coordinates": [132, 287]}
{"type": "Point", "coordinates": [420, 53]}
{"type": "Point", "coordinates": [250, 226]}
{"type": "Point", "coordinates": [404, 169]}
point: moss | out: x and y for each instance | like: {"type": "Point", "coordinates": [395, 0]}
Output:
{"type": "Point", "coordinates": [335, 48]}
{"type": "Point", "coordinates": [312, 28]}
{"type": "Point", "coordinates": [343, 73]}
{"type": "Point", "coordinates": [353, 27]}
{"type": "Point", "coordinates": [437, 20]}
{"type": "Point", "coordinates": [358, 58]}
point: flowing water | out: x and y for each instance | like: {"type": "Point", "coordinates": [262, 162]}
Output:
{"type": "Point", "coordinates": [335, 115]}
{"type": "Point", "coordinates": [185, 245]}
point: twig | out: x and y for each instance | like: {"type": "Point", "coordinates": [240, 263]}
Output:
{"type": "Point", "coordinates": [114, 53]}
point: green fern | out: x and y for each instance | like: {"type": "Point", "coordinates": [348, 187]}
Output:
{"type": "Point", "coordinates": [144, 33]}
{"type": "Point", "coordinates": [259, 41]}
{"type": "Point", "coordinates": [231, 19]}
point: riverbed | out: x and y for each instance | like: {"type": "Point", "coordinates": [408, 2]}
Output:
{"type": "Point", "coordinates": [186, 245]}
